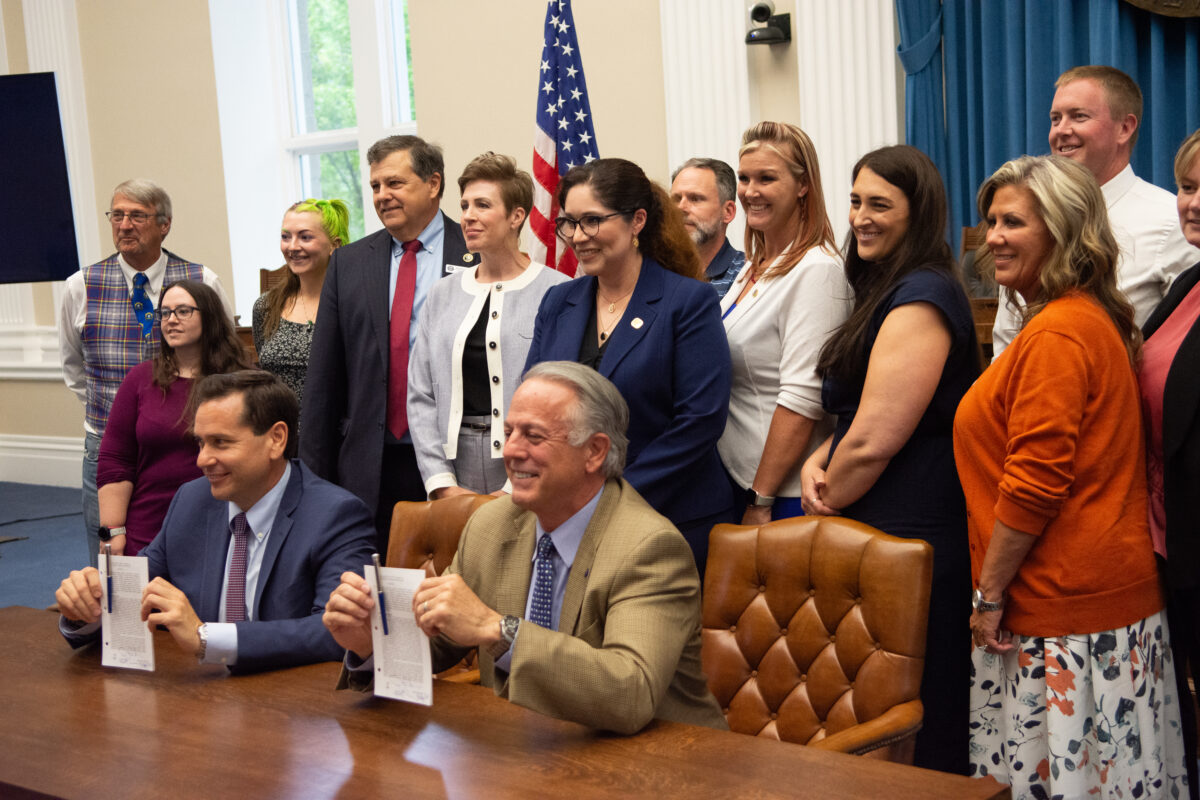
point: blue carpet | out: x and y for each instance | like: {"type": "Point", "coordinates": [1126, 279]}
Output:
{"type": "Point", "coordinates": [49, 523]}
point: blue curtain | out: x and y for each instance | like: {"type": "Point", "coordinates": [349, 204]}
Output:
{"type": "Point", "coordinates": [1002, 59]}
{"type": "Point", "coordinates": [920, 52]}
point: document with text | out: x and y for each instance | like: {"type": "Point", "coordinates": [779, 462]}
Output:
{"type": "Point", "coordinates": [403, 669]}
{"type": "Point", "coordinates": [127, 639]}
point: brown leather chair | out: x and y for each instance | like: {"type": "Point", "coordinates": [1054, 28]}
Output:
{"type": "Point", "coordinates": [424, 535]}
{"type": "Point", "coordinates": [268, 279]}
{"type": "Point", "coordinates": [814, 632]}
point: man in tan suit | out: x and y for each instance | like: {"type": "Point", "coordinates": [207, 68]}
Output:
{"type": "Point", "coordinates": [599, 623]}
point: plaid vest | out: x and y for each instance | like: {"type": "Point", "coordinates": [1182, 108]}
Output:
{"type": "Point", "coordinates": [112, 336]}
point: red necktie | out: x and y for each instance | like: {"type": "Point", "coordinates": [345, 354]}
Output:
{"type": "Point", "coordinates": [402, 306]}
{"type": "Point", "coordinates": [235, 589]}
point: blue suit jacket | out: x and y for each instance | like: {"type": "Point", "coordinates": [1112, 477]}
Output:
{"type": "Point", "coordinates": [320, 531]}
{"type": "Point", "coordinates": [669, 358]}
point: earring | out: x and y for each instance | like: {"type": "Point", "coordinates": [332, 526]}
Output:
{"type": "Point", "coordinates": [635, 241]}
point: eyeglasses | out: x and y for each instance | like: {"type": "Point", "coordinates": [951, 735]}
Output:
{"type": "Point", "coordinates": [589, 223]}
{"type": "Point", "coordinates": [136, 217]}
{"type": "Point", "coordinates": [181, 312]}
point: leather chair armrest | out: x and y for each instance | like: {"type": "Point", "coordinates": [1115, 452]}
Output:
{"type": "Point", "coordinates": [466, 676]}
{"type": "Point", "coordinates": [898, 722]}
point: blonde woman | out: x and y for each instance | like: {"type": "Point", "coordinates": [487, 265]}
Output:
{"type": "Point", "coordinates": [787, 300]}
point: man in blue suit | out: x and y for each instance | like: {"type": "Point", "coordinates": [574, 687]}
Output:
{"type": "Point", "coordinates": [248, 553]}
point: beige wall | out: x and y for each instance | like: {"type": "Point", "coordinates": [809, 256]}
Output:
{"type": "Point", "coordinates": [476, 74]}
{"type": "Point", "coordinates": [151, 112]}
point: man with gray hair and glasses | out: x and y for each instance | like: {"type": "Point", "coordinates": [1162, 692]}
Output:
{"type": "Point", "coordinates": [107, 324]}
{"type": "Point", "coordinates": [705, 189]}
{"type": "Point", "coordinates": [583, 600]}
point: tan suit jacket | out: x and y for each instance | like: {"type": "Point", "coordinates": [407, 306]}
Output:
{"type": "Point", "coordinates": [628, 646]}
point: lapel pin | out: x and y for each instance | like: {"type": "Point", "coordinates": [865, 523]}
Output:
{"type": "Point", "coordinates": [637, 323]}
{"type": "Point", "coordinates": [468, 257]}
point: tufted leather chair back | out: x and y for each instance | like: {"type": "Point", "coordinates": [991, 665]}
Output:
{"type": "Point", "coordinates": [814, 632]}
{"type": "Point", "coordinates": [425, 535]}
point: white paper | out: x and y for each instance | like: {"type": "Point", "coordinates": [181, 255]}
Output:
{"type": "Point", "coordinates": [403, 669]}
{"type": "Point", "coordinates": [127, 639]}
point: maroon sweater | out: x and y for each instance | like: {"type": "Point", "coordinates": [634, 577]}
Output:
{"type": "Point", "coordinates": [147, 442]}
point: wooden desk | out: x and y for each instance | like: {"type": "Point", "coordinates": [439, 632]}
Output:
{"type": "Point", "coordinates": [72, 728]}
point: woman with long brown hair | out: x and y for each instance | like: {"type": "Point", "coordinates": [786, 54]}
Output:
{"type": "Point", "coordinates": [894, 374]}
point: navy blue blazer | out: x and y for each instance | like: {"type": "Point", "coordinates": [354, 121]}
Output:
{"type": "Point", "coordinates": [1181, 440]}
{"type": "Point", "coordinates": [319, 532]}
{"type": "Point", "coordinates": [669, 358]}
{"type": "Point", "coordinates": [344, 414]}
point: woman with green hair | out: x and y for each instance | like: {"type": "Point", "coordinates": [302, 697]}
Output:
{"type": "Point", "coordinates": [284, 316]}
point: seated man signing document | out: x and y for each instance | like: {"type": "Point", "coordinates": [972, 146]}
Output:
{"type": "Point", "coordinates": [246, 553]}
{"type": "Point", "coordinates": [583, 600]}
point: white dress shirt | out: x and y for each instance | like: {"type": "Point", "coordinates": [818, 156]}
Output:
{"type": "Point", "coordinates": [1145, 223]}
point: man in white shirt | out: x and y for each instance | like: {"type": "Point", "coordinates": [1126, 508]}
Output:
{"type": "Point", "coordinates": [1094, 120]}
{"type": "Point", "coordinates": [106, 323]}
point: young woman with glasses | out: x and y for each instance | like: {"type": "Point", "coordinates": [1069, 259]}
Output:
{"type": "Point", "coordinates": [147, 452]}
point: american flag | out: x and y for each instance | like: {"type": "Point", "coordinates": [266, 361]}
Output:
{"type": "Point", "coordinates": [564, 135]}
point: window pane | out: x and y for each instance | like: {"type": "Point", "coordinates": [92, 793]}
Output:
{"type": "Point", "coordinates": [326, 176]}
{"type": "Point", "coordinates": [322, 68]}
{"type": "Point", "coordinates": [401, 58]}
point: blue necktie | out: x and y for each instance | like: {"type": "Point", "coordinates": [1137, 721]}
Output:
{"type": "Point", "coordinates": [541, 609]}
{"type": "Point", "coordinates": [143, 309]}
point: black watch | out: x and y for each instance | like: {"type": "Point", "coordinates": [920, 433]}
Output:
{"type": "Point", "coordinates": [508, 634]}
{"type": "Point", "coordinates": [106, 533]}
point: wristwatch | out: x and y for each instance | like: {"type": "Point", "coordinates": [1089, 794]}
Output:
{"type": "Point", "coordinates": [202, 632]}
{"type": "Point", "coordinates": [508, 634]}
{"type": "Point", "coordinates": [979, 604]}
{"type": "Point", "coordinates": [756, 500]}
{"type": "Point", "coordinates": [106, 533]}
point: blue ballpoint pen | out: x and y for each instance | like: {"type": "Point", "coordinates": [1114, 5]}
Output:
{"type": "Point", "coordinates": [379, 592]}
{"type": "Point", "coordinates": [108, 570]}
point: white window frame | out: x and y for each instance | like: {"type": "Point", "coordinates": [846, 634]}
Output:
{"type": "Point", "coordinates": [261, 148]}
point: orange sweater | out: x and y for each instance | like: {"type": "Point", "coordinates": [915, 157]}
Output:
{"type": "Point", "coordinates": [1049, 441]}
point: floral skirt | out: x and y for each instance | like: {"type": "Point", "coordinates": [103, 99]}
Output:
{"type": "Point", "coordinates": [1094, 715]}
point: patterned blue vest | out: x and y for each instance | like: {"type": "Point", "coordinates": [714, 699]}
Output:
{"type": "Point", "coordinates": [112, 336]}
